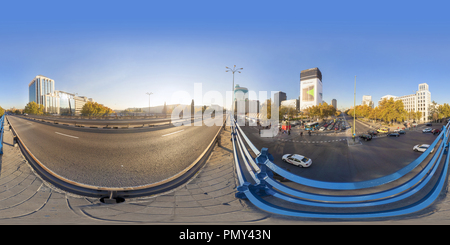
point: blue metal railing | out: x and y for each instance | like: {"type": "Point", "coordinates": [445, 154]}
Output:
{"type": "Point", "coordinates": [2, 119]}
{"type": "Point", "coordinates": [259, 170]}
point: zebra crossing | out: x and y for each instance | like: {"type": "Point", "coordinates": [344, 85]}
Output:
{"type": "Point", "coordinates": [312, 141]}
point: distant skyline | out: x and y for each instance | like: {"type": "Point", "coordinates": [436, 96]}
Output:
{"type": "Point", "coordinates": [116, 52]}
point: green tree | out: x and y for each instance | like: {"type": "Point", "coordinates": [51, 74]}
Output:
{"type": "Point", "coordinates": [34, 109]}
{"type": "Point", "coordinates": [1, 111]}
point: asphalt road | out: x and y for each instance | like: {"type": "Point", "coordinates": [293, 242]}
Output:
{"type": "Point", "coordinates": [114, 158]}
{"type": "Point", "coordinates": [335, 160]}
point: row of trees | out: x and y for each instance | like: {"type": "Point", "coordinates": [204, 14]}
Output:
{"type": "Point", "coordinates": [391, 110]}
{"type": "Point", "coordinates": [322, 111]}
{"type": "Point", "coordinates": [95, 109]}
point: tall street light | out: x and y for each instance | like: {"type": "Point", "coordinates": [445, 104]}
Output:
{"type": "Point", "coordinates": [233, 70]}
{"type": "Point", "coordinates": [354, 112]}
{"type": "Point", "coordinates": [149, 102]}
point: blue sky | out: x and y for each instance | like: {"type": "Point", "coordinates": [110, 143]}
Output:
{"type": "Point", "coordinates": [115, 52]}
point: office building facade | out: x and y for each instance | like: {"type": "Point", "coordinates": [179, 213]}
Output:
{"type": "Point", "coordinates": [280, 96]}
{"type": "Point", "coordinates": [293, 104]}
{"type": "Point", "coordinates": [334, 103]}
{"type": "Point", "coordinates": [367, 100]}
{"type": "Point", "coordinates": [42, 91]}
{"type": "Point", "coordinates": [39, 87]}
{"type": "Point", "coordinates": [420, 101]}
{"type": "Point", "coordinates": [310, 88]}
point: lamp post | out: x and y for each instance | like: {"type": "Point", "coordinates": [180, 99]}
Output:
{"type": "Point", "coordinates": [233, 70]}
{"type": "Point", "coordinates": [354, 112]}
{"type": "Point", "coordinates": [149, 102]}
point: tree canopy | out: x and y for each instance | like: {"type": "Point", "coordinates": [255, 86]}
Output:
{"type": "Point", "coordinates": [95, 109]}
{"type": "Point", "coordinates": [34, 109]}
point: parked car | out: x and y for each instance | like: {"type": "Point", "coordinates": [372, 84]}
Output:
{"type": "Point", "coordinates": [322, 129]}
{"type": "Point", "coordinates": [422, 148]}
{"type": "Point", "coordinates": [429, 124]}
{"type": "Point", "coordinates": [394, 134]}
{"type": "Point", "coordinates": [426, 130]}
{"type": "Point", "coordinates": [366, 137]}
{"type": "Point", "coordinates": [297, 160]}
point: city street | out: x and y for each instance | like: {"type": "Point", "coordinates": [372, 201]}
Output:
{"type": "Point", "coordinates": [335, 159]}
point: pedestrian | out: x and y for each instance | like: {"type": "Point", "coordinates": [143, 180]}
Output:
{"type": "Point", "coordinates": [289, 132]}
{"type": "Point", "coordinates": [301, 133]}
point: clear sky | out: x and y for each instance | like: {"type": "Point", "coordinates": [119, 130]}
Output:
{"type": "Point", "coordinates": [115, 52]}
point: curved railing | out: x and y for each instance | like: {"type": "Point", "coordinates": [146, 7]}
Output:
{"type": "Point", "coordinates": [261, 183]}
{"type": "Point", "coordinates": [2, 118]}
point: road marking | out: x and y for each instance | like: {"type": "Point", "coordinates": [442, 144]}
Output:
{"type": "Point", "coordinates": [67, 135]}
{"type": "Point", "coordinates": [173, 133]}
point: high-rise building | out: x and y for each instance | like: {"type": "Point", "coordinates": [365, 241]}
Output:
{"type": "Point", "coordinates": [39, 87]}
{"type": "Point", "coordinates": [281, 96]}
{"type": "Point", "coordinates": [334, 103]}
{"type": "Point", "coordinates": [310, 88]}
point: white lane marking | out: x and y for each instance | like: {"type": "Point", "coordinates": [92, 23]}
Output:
{"type": "Point", "coordinates": [67, 135]}
{"type": "Point", "coordinates": [172, 133]}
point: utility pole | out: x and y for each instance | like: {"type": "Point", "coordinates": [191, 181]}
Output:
{"type": "Point", "coordinates": [354, 112]}
{"type": "Point", "coordinates": [149, 102]}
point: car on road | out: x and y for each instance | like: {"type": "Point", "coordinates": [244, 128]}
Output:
{"type": "Point", "coordinates": [422, 148]}
{"type": "Point", "coordinates": [297, 160]}
{"type": "Point", "coordinates": [395, 134]}
{"type": "Point", "coordinates": [426, 130]}
{"type": "Point", "coordinates": [382, 130]}
{"type": "Point", "coordinates": [400, 131]}
{"type": "Point", "coordinates": [436, 131]}
{"type": "Point", "coordinates": [429, 124]}
{"type": "Point", "coordinates": [372, 132]}
{"type": "Point", "coordinates": [366, 137]}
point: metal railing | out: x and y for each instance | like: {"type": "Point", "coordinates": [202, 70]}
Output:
{"type": "Point", "coordinates": [2, 119]}
{"type": "Point", "coordinates": [260, 182]}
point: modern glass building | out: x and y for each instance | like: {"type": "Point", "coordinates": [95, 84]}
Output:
{"type": "Point", "coordinates": [42, 91]}
{"type": "Point", "coordinates": [40, 86]}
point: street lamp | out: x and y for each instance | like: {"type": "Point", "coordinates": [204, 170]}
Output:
{"type": "Point", "coordinates": [149, 102]}
{"type": "Point", "coordinates": [233, 70]}
{"type": "Point", "coordinates": [354, 112]}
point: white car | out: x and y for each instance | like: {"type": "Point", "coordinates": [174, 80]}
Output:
{"type": "Point", "coordinates": [322, 129]}
{"type": "Point", "coordinates": [426, 130]}
{"type": "Point", "coordinates": [297, 160]}
{"type": "Point", "coordinates": [422, 148]}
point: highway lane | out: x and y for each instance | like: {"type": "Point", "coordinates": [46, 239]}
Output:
{"type": "Point", "coordinates": [114, 158]}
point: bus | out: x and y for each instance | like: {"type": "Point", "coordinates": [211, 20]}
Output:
{"type": "Point", "coordinates": [311, 125]}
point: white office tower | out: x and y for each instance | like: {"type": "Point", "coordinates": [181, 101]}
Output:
{"type": "Point", "coordinates": [310, 88]}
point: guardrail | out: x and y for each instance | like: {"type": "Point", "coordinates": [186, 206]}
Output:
{"type": "Point", "coordinates": [2, 118]}
{"type": "Point", "coordinates": [260, 182]}
{"type": "Point", "coordinates": [115, 194]}
{"type": "Point", "coordinates": [106, 123]}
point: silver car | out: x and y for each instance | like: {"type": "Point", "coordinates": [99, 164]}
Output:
{"type": "Point", "coordinates": [422, 148]}
{"type": "Point", "coordinates": [297, 160]}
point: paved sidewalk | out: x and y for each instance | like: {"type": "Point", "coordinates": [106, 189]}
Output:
{"type": "Point", "coordinates": [209, 198]}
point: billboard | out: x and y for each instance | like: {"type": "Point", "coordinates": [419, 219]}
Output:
{"type": "Point", "coordinates": [310, 88]}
